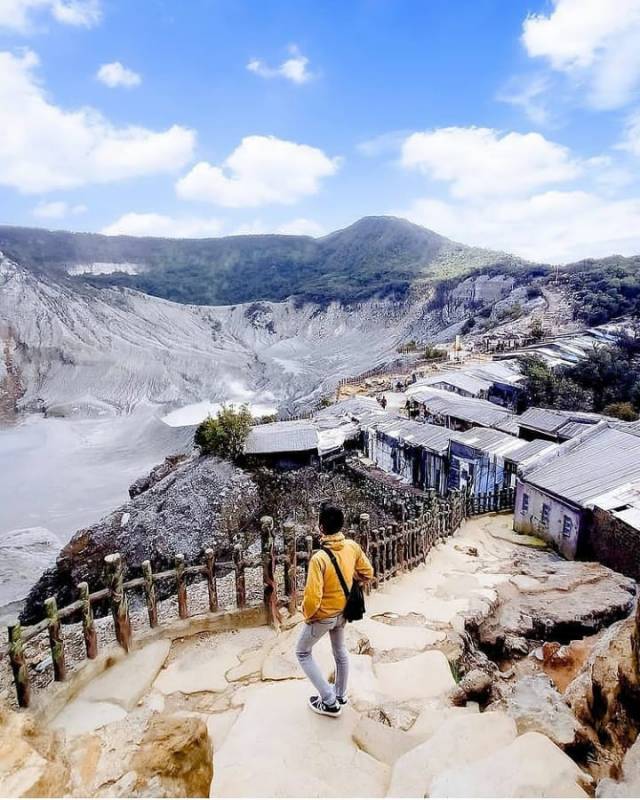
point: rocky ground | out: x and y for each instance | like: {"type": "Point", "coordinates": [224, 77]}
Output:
{"type": "Point", "coordinates": [429, 714]}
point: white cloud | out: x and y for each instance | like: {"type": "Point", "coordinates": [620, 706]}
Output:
{"type": "Point", "coordinates": [528, 94]}
{"type": "Point", "coordinates": [554, 226]}
{"type": "Point", "coordinates": [260, 171]}
{"type": "Point", "coordinates": [116, 74]}
{"type": "Point", "coordinates": [483, 161]}
{"type": "Point", "coordinates": [631, 140]}
{"type": "Point", "coordinates": [57, 209]}
{"type": "Point", "coordinates": [18, 15]}
{"type": "Point", "coordinates": [45, 148]}
{"type": "Point", "coordinates": [595, 42]}
{"type": "Point", "coordinates": [293, 69]}
{"type": "Point", "coordinates": [135, 224]}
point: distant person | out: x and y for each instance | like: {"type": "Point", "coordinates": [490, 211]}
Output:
{"type": "Point", "coordinates": [323, 606]}
{"type": "Point", "coordinates": [383, 402]}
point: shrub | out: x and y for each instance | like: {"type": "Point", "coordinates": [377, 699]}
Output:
{"type": "Point", "coordinates": [225, 434]}
{"type": "Point", "coordinates": [623, 411]}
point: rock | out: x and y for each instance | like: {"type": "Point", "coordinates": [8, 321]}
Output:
{"type": "Point", "coordinates": [296, 750]}
{"type": "Point", "coordinates": [605, 695]}
{"type": "Point", "coordinates": [459, 741]}
{"type": "Point", "coordinates": [176, 753]}
{"type": "Point", "coordinates": [629, 783]}
{"type": "Point", "coordinates": [515, 646]}
{"type": "Point", "coordinates": [422, 677]}
{"type": "Point", "coordinates": [155, 476]}
{"type": "Point", "coordinates": [248, 667]}
{"type": "Point", "coordinates": [128, 679]}
{"type": "Point", "coordinates": [574, 599]}
{"type": "Point", "coordinates": [202, 673]}
{"type": "Point", "coordinates": [183, 513]}
{"type": "Point", "coordinates": [32, 761]}
{"type": "Point", "coordinates": [530, 766]}
{"type": "Point", "coordinates": [535, 705]}
{"type": "Point", "coordinates": [475, 685]}
{"type": "Point", "coordinates": [82, 716]}
{"type": "Point", "coordinates": [435, 714]}
{"type": "Point", "coordinates": [382, 742]}
{"type": "Point", "coordinates": [219, 725]}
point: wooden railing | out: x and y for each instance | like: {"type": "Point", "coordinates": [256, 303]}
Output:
{"type": "Point", "coordinates": [395, 548]}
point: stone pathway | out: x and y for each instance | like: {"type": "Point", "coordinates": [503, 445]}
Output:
{"type": "Point", "coordinates": [400, 735]}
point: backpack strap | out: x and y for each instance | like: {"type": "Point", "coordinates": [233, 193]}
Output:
{"type": "Point", "coordinates": [334, 561]}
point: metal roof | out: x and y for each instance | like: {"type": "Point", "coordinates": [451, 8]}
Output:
{"type": "Point", "coordinates": [551, 420]}
{"type": "Point", "coordinates": [418, 434]}
{"type": "Point", "coordinates": [459, 380]}
{"type": "Point", "coordinates": [469, 409]}
{"type": "Point", "coordinates": [282, 437]}
{"type": "Point", "coordinates": [502, 444]}
{"type": "Point", "coordinates": [583, 469]}
{"type": "Point", "coordinates": [623, 503]}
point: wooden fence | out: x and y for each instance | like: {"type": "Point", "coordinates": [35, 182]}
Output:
{"type": "Point", "coordinates": [393, 549]}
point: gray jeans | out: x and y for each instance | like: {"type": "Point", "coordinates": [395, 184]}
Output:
{"type": "Point", "coordinates": [311, 634]}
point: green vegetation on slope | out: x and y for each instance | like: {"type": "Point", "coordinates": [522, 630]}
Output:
{"type": "Point", "coordinates": [607, 381]}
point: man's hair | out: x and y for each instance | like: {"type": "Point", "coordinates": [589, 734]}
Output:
{"type": "Point", "coordinates": [331, 519]}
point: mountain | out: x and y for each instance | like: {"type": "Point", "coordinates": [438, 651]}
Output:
{"type": "Point", "coordinates": [374, 257]}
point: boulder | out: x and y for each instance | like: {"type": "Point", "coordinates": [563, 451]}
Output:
{"type": "Point", "coordinates": [460, 740]}
{"type": "Point", "coordinates": [530, 766]}
{"type": "Point", "coordinates": [435, 714]}
{"type": "Point", "coordinates": [605, 695]}
{"type": "Point", "coordinates": [424, 676]}
{"type": "Point", "coordinates": [174, 758]}
{"type": "Point", "coordinates": [574, 599]}
{"type": "Point", "coordinates": [475, 685]}
{"type": "Point", "coordinates": [32, 761]}
{"type": "Point", "coordinates": [536, 705]}
{"type": "Point", "coordinates": [382, 742]}
{"type": "Point", "coordinates": [629, 783]}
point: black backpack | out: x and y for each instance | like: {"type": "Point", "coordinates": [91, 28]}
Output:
{"type": "Point", "coordinates": [354, 609]}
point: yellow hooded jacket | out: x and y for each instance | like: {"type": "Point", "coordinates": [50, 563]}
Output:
{"type": "Point", "coordinates": [323, 594]}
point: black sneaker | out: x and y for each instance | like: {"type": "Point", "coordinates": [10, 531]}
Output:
{"type": "Point", "coordinates": [342, 701]}
{"type": "Point", "coordinates": [316, 704]}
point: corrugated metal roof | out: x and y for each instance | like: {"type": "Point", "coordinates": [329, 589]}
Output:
{"type": "Point", "coordinates": [550, 420]}
{"type": "Point", "coordinates": [622, 503]}
{"type": "Point", "coordinates": [604, 459]}
{"type": "Point", "coordinates": [495, 442]}
{"type": "Point", "coordinates": [282, 437]}
{"type": "Point", "coordinates": [469, 409]}
{"type": "Point", "coordinates": [419, 434]}
{"type": "Point", "coordinates": [459, 380]}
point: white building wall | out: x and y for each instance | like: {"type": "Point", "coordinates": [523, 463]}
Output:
{"type": "Point", "coordinates": [563, 526]}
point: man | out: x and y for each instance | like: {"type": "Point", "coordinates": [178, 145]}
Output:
{"type": "Point", "coordinates": [323, 603]}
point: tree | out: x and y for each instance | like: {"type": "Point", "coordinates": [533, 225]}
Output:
{"type": "Point", "coordinates": [623, 411]}
{"type": "Point", "coordinates": [225, 434]}
{"type": "Point", "coordinates": [536, 330]}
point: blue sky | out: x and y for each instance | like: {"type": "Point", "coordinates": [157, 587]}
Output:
{"type": "Point", "coordinates": [512, 125]}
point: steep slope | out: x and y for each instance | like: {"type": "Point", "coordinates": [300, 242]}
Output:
{"type": "Point", "coordinates": [376, 256]}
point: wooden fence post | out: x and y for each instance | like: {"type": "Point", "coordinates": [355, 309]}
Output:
{"type": "Point", "coordinates": [291, 565]}
{"type": "Point", "coordinates": [118, 599]}
{"type": "Point", "coordinates": [88, 625]}
{"type": "Point", "coordinates": [56, 642]}
{"type": "Point", "coordinates": [308, 541]}
{"type": "Point", "coordinates": [150, 593]}
{"type": "Point", "coordinates": [238, 562]}
{"type": "Point", "coordinates": [19, 665]}
{"type": "Point", "coordinates": [268, 569]}
{"type": "Point", "coordinates": [183, 609]}
{"type": "Point", "coordinates": [211, 579]}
